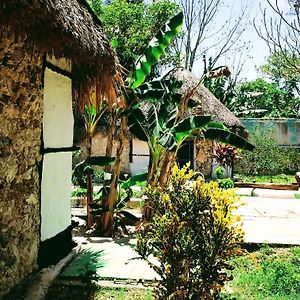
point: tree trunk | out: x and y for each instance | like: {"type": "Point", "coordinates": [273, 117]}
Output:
{"type": "Point", "coordinates": [167, 164]}
{"type": "Point", "coordinates": [113, 193]}
{"type": "Point", "coordinates": [110, 138]}
{"type": "Point", "coordinates": [89, 183]}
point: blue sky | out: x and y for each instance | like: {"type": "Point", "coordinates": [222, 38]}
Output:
{"type": "Point", "coordinates": [258, 50]}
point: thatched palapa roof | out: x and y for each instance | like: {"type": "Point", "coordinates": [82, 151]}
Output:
{"type": "Point", "coordinates": [208, 103]}
{"type": "Point", "coordinates": [63, 28]}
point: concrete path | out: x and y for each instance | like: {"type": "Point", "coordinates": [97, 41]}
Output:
{"type": "Point", "coordinates": [266, 219]}
{"type": "Point", "coordinates": [271, 220]}
{"type": "Point", "coordinates": [112, 259]}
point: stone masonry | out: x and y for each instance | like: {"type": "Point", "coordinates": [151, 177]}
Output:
{"type": "Point", "coordinates": [21, 100]}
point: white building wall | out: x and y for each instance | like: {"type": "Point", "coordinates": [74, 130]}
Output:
{"type": "Point", "coordinates": [57, 167]}
{"type": "Point", "coordinates": [140, 157]}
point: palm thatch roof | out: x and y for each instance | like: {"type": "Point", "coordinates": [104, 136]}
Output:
{"type": "Point", "coordinates": [208, 103]}
{"type": "Point", "coordinates": [64, 28]}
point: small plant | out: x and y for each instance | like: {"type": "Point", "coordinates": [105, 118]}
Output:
{"type": "Point", "coordinates": [220, 172]}
{"type": "Point", "coordinates": [225, 154]}
{"type": "Point", "coordinates": [226, 183]}
{"type": "Point", "coordinates": [192, 235]}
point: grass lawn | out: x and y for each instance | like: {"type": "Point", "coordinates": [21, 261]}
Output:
{"type": "Point", "coordinates": [276, 276]}
{"type": "Point", "coordinates": [285, 179]}
{"type": "Point", "coordinates": [122, 294]}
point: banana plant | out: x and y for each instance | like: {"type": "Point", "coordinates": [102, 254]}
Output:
{"type": "Point", "coordinates": [141, 70]}
{"type": "Point", "coordinates": [156, 122]}
{"type": "Point", "coordinates": [155, 49]}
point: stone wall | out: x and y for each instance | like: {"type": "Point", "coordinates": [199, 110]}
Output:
{"type": "Point", "coordinates": [204, 150]}
{"type": "Point", "coordinates": [21, 101]}
{"type": "Point", "coordinates": [99, 148]}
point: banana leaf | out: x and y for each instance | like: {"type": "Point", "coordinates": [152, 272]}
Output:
{"type": "Point", "coordinates": [189, 124]}
{"type": "Point", "coordinates": [227, 137]}
{"type": "Point", "coordinates": [138, 179]}
{"type": "Point", "coordinates": [155, 49]}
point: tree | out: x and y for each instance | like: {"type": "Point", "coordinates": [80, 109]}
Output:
{"type": "Point", "coordinates": [281, 73]}
{"type": "Point", "coordinates": [282, 34]}
{"type": "Point", "coordinates": [131, 24]}
{"type": "Point", "coordinates": [199, 36]}
{"type": "Point", "coordinates": [259, 98]}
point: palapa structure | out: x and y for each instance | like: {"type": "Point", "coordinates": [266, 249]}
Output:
{"type": "Point", "coordinates": [135, 156]}
{"type": "Point", "coordinates": [199, 152]}
{"type": "Point", "coordinates": [51, 52]}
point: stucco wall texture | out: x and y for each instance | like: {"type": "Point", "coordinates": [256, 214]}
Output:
{"type": "Point", "coordinates": [21, 99]}
{"type": "Point", "coordinates": [284, 131]}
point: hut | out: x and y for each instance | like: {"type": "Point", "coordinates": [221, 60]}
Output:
{"type": "Point", "coordinates": [197, 152]}
{"type": "Point", "coordinates": [135, 155]}
{"type": "Point", "coordinates": [48, 49]}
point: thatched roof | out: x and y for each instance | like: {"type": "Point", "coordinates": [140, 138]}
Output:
{"type": "Point", "coordinates": [63, 28]}
{"type": "Point", "coordinates": [208, 103]}
{"type": "Point", "coordinates": [69, 29]}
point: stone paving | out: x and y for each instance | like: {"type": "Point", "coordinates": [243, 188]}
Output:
{"type": "Point", "coordinates": [267, 219]}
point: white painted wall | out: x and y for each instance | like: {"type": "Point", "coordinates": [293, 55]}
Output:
{"type": "Point", "coordinates": [58, 116]}
{"type": "Point", "coordinates": [55, 193]}
{"type": "Point", "coordinates": [139, 163]}
{"type": "Point", "coordinates": [57, 167]}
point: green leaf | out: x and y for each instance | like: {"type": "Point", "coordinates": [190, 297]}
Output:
{"type": "Point", "coordinates": [99, 160]}
{"type": "Point", "coordinates": [157, 89]}
{"type": "Point", "coordinates": [78, 192]}
{"type": "Point", "coordinates": [153, 122]}
{"type": "Point", "coordinates": [114, 43]}
{"type": "Point", "coordinates": [138, 179]}
{"type": "Point", "coordinates": [168, 141]}
{"type": "Point", "coordinates": [187, 125]}
{"type": "Point", "coordinates": [136, 119]}
{"type": "Point", "coordinates": [228, 137]}
{"type": "Point", "coordinates": [217, 125]}
{"type": "Point", "coordinates": [122, 203]}
{"type": "Point", "coordinates": [155, 49]}
{"type": "Point", "coordinates": [99, 211]}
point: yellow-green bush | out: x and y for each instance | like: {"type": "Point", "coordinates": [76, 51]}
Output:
{"type": "Point", "coordinates": [192, 235]}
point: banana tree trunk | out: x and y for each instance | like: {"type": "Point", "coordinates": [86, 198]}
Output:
{"type": "Point", "coordinates": [110, 138]}
{"type": "Point", "coordinates": [113, 193]}
{"type": "Point", "coordinates": [167, 164]}
{"type": "Point", "coordinates": [89, 183]}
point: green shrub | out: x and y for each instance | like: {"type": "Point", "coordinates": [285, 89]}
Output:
{"type": "Point", "coordinates": [226, 183]}
{"type": "Point", "coordinates": [220, 172]}
{"type": "Point", "coordinates": [192, 235]}
{"type": "Point", "coordinates": [267, 158]}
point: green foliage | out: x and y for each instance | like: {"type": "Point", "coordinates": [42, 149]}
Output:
{"type": "Point", "coordinates": [267, 158]}
{"type": "Point", "coordinates": [225, 155]}
{"type": "Point", "coordinates": [192, 235]}
{"type": "Point", "coordinates": [155, 49]}
{"type": "Point", "coordinates": [219, 132]}
{"type": "Point", "coordinates": [281, 178]}
{"type": "Point", "coordinates": [86, 167]}
{"type": "Point", "coordinates": [131, 25]}
{"type": "Point", "coordinates": [259, 98]}
{"type": "Point", "coordinates": [226, 183]}
{"type": "Point", "coordinates": [275, 278]}
{"type": "Point", "coordinates": [220, 172]}
{"type": "Point", "coordinates": [281, 72]}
